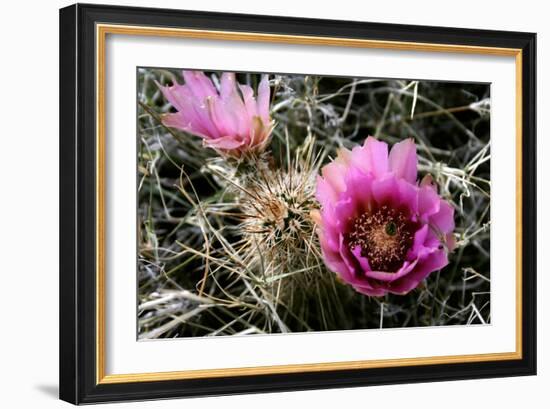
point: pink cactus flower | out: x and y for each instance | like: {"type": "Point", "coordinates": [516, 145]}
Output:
{"type": "Point", "coordinates": [380, 230]}
{"type": "Point", "coordinates": [230, 120]}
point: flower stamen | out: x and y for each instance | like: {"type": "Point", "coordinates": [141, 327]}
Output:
{"type": "Point", "coordinates": [384, 235]}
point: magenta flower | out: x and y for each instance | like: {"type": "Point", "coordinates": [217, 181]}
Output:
{"type": "Point", "coordinates": [229, 121]}
{"type": "Point", "coordinates": [380, 230]}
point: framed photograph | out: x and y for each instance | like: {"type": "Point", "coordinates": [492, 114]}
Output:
{"type": "Point", "coordinates": [258, 203]}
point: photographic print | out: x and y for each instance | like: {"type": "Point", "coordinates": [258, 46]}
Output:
{"type": "Point", "coordinates": [331, 183]}
{"type": "Point", "coordinates": [281, 203]}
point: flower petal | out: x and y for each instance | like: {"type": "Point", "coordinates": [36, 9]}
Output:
{"type": "Point", "coordinates": [450, 242]}
{"type": "Point", "coordinates": [403, 160]}
{"type": "Point", "coordinates": [344, 212]}
{"type": "Point", "coordinates": [179, 121]}
{"type": "Point", "coordinates": [325, 193]}
{"type": "Point", "coordinates": [258, 133]}
{"type": "Point", "coordinates": [199, 84]}
{"type": "Point", "coordinates": [334, 173]}
{"type": "Point", "coordinates": [233, 105]}
{"type": "Point", "coordinates": [385, 191]}
{"type": "Point", "coordinates": [363, 262]}
{"type": "Point", "coordinates": [408, 195]}
{"type": "Point", "coordinates": [225, 142]}
{"type": "Point", "coordinates": [249, 102]}
{"type": "Point", "coordinates": [228, 85]}
{"type": "Point", "coordinates": [263, 99]}
{"type": "Point", "coordinates": [418, 243]}
{"type": "Point", "coordinates": [443, 220]}
{"type": "Point", "coordinates": [194, 113]}
{"type": "Point", "coordinates": [359, 189]}
{"type": "Point", "coordinates": [428, 180]}
{"type": "Point", "coordinates": [392, 276]}
{"type": "Point", "coordinates": [371, 291]}
{"type": "Point", "coordinates": [372, 157]}
{"type": "Point", "coordinates": [435, 261]}
{"type": "Point", "coordinates": [329, 242]}
{"type": "Point", "coordinates": [347, 256]}
{"type": "Point", "coordinates": [428, 202]}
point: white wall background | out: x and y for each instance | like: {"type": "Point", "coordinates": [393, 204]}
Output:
{"type": "Point", "coordinates": [29, 202]}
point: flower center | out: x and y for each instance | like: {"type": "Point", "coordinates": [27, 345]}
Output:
{"type": "Point", "coordinates": [384, 235]}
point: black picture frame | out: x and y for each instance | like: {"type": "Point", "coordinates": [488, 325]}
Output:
{"type": "Point", "coordinates": [78, 313]}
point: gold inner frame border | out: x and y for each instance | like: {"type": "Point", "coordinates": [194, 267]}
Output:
{"type": "Point", "coordinates": [102, 30]}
